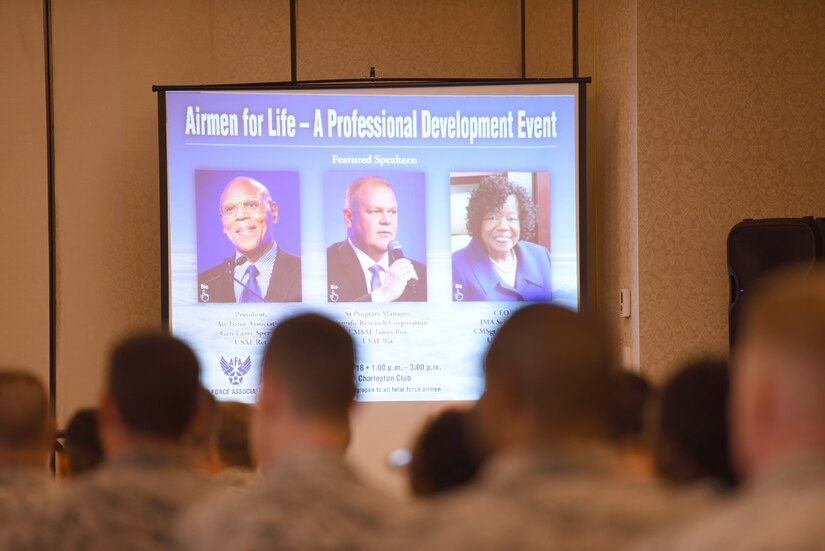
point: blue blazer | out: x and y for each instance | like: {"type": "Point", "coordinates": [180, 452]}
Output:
{"type": "Point", "coordinates": [475, 278]}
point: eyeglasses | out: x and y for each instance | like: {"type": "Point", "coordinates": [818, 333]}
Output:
{"type": "Point", "coordinates": [250, 205]}
{"type": "Point", "coordinates": [494, 219]}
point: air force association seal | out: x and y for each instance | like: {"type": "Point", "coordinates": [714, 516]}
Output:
{"type": "Point", "coordinates": [236, 368]}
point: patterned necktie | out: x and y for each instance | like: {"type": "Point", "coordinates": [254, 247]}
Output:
{"type": "Point", "coordinates": [252, 291]}
{"type": "Point", "coordinates": [375, 282]}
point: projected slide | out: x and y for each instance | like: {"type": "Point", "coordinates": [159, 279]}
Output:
{"type": "Point", "coordinates": [419, 218]}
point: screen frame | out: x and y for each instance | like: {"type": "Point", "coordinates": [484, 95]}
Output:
{"type": "Point", "coordinates": [370, 84]}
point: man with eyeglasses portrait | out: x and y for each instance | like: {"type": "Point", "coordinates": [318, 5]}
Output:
{"type": "Point", "coordinates": [259, 271]}
{"type": "Point", "coordinates": [499, 263]}
{"type": "Point", "coordinates": [369, 266]}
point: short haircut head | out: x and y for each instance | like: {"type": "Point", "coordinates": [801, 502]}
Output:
{"type": "Point", "coordinates": [629, 394]}
{"type": "Point", "coordinates": [788, 310]}
{"type": "Point", "coordinates": [83, 447]}
{"type": "Point", "coordinates": [201, 435]}
{"type": "Point", "coordinates": [234, 446]}
{"type": "Point", "coordinates": [556, 364]}
{"type": "Point", "coordinates": [153, 382]}
{"type": "Point", "coordinates": [351, 197]}
{"type": "Point", "coordinates": [692, 427]}
{"type": "Point", "coordinates": [490, 196]}
{"type": "Point", "coordinates": [24, 411]}
{"type": "Point", "coordinates": [445, 454]}
{"type": "Point", "coordinates": [313, 359]}
{"type": "Point", "coordinates": [780, 351]}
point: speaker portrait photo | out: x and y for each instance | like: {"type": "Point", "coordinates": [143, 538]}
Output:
{"type": "Point", "coordinates": [500, 237]}
{"type": "Point", "coordinates": [248, 236]}
{"type": "Point", "coordinates": [377, 242]}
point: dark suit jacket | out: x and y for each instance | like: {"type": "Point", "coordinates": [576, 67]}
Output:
{"type": "Point", "coordinates": [475, 279]}
{"type": "Point", "coordinates": [346, 283]}
{"type": "Point", "coordinates": [284, 285]}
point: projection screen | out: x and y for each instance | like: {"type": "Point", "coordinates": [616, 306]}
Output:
{"type": "Point", "coordinates": [418, 216]}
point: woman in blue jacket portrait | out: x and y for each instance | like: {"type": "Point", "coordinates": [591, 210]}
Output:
{"type": "Point", "coordinates": [498, 263]}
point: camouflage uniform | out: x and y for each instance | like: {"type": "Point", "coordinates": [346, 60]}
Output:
{"type": "Point", "coordinates": [22, 490]}
{"type": "Point", "coordinates": [306, 501]}
{"type": "Point", "coordinates": [129, 503]}
{"type": "Point", "coordinates": [237, 477]}
{"type": "Point", "coordinates": [571, 499]}
{"type": "Point", "coordinates": [782, 510]}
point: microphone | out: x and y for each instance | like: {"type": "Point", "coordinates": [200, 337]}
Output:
{"type": "Point", "coordinates": [395, 253]}
{"type": "Point", "coordinates": [229, 265]}
{"type": "Point", "coordinates": [394, 250]}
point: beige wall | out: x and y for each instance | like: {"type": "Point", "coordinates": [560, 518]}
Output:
{"type": "Point", "coordinates": [700, 114]}
{"type": "Point", "coordinates": [426, 38]}
{"type": "Point", "coordinates": [548, 38]}
{"type": "Point", "coordinates": [731, 124]}
{"type": "Point", "coordinates": [608, 55]}
{"type": "Point", "coordinates": [107, 56]}
{"type": "Point", "coordinates": [24, 239]}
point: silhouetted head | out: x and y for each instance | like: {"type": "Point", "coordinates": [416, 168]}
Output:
{"type": "Point", "coordinates": [629, 394]}
{"type": "Point", "coordinates": [548, 379]}
{"type": "Point", "coordinates": [312, 358]}
{"type": "Point", "coordinates": [445, 455]}
{"type": "Point", "coordinates": [25, 430]}
{"type": "Point", "coordinates": [153, 385]}
{"type": "Point", "coordinates": [308, 388]}
{"type": "Point", "coordinates": [82, 447]}
{"type": "Point", "coordinates": [778, 378]}
{"type": "Point", "coordinates": [690, 432]}
{"type": "Point", "coordinates": [234, 447]}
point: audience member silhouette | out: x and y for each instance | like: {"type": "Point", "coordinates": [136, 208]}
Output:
{"type": "Point", "coordinates": [132, 500]}
{"type": "Point", "coordinates": [234, 448]}
{"type": "Point", "coordinates": [308, 498]}
{"type": "Point", "coordinates": [551, 481]}
{"type": "Point", "coordinates": [629, 396]}
{"type": "Point", "coordinates": [690, 426]}
{"type": "Point", "coordinates": [777, 414]}
{"type": "Point", "coordinates": [82, 450]}
{"type": "Point", "coordinates": [25, 441]}
{"type": "Point", "coordinates": [552, 426]}
{"type": "Point", "coordinates": [445, 455]}
{"type": "Point", "coordinates": [235, 461]}
{"type": "Point", "coordinates": [202, 435]}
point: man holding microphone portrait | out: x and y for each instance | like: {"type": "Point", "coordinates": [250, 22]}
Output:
{"type": "Point", "coordinates": [369, 266]}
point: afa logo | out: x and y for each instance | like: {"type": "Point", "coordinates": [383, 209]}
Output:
{"type": "Point", "coordinates": [236, 368]}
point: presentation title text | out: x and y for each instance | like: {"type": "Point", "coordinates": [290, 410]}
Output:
{"type": "Point", "coordinates": [279, 122]}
